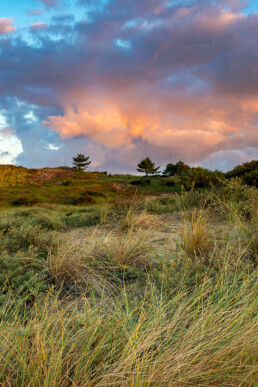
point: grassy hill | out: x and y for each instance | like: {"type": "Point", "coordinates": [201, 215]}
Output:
{"type": "Point", "coordinates": [21, 186]}
{"type": "Point", "coordinates": [126, 289]}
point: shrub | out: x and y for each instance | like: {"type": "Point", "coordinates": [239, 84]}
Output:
{"type": "Point", "coordinates": [177, 202]}
{"type": "Point", "coordinates": [21, 202]}
{"type": "Point", "coordinates": [87, 219]}
{"type": "Point", "coordinates": [251, 178]}
{"type": "Point", "coordinates": [141, 182]}
{"type": "Point", "coordinates": [172, 181]}
{"type": "Point", "coordinates": [25, 237]}
{"type": "Point", "coordinates": [88, 194]}
{"type": "Point", "coordinates": [21, 274]}
{"type": "Point", "coordinates": [75, 200]}
{"type": "Point", "coordinates": [235, 197]}
{"type": "Point", "coordinates": [201, 178]}
{"type": "Point", "coordinates": [248, 172]}
{"type": "Point", "coordinates": [176, 169]}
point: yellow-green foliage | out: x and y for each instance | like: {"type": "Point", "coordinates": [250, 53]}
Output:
{"type": "Point", "coordinates": [123, 297]}
{"type": "Point", "coordinates": [11, 176]}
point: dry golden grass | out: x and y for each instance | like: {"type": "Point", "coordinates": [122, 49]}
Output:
{"type": "Point", "coordinates": [206, 338]}
{"type": "Point", "coordinates": [120, 307]}
{"type": "Point", "coordinates": [196, 237]}
{"type": "Point", "coordinates": [91, 261]}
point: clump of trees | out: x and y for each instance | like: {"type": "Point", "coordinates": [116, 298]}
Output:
{"type": "Point", "coordinates": [148, 167]}
{"type": "Point", "coordinates": [184, 175]}
{"type": "Point", "coordinates": [188, 177]}
{"type": "Point", "coordinates": [176, 169]}
{"type": "Point", "coordinates": [248, 172]}
{"type": "Point", "coordinates": [81, 162]}
{"type": "Point", "coordinates": [200, 178]}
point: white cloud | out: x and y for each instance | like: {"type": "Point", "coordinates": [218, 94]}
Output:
{"type": "Point", "coordinates": [30, 116]}
{"type": "Point", "coordinates": [52, 147]}
{"type": "Point", "coordinates": [10, 145]}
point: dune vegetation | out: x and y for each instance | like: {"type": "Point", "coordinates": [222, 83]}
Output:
{"type": "Point", "coordinates": [148, 291]}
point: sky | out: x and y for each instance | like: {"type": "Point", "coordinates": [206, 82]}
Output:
{"type": "Point", "coordinates": [121, 80]}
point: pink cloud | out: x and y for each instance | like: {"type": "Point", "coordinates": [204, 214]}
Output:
{"type": "Point", "coordinates": [186, 88]}
{"type": "Point", "coordinates": [6, 25]}
{"type": "Point", "coordinates": [103, 125]}
{"type": "Point", "coordinates": [38, 26]}
{"type": "Point", "coordinates": [190, 127]}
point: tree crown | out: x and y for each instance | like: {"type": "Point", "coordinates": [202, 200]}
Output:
{"type": "Point", "coordinates": [147, 166]}
{"type": "Point", "coordinates": [176, 169]}
{"type": "Point", "coordinates": [81, 162]}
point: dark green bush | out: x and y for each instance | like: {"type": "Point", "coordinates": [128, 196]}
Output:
{"type": "Point", "coordinates": [201, 178]}
{"type": "Point", "coordinates": [84, 219]}
{"type": "Point", "coordinates": [75, 200]}
{"type": "Point", "coordinates": [21, 202]}
{"type": "Point", "coordinates": [92, 193]}
{"type": "Point", "coordinates": [176, 169]}
{"type": "Point", "coordinates": [141, 182]}
{"type": "Point", "coordinates": [248, 172]}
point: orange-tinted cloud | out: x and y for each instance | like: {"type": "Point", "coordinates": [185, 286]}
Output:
{"type": "Point", "coordinates": [103, 125]}
{"type": "Point", "coordinates": [143, 78]}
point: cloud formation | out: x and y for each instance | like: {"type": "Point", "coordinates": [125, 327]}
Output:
{"type": "Point", "coordinates": [38, 26]}
{"type": "Point", "coordinates": [132, 79]}
{"type": "Point", "coordinates": [35, 12]}
{"type": "Point", "coordinates": [6, 25]}
{"type": "Point", "coordinates": [49, 3]}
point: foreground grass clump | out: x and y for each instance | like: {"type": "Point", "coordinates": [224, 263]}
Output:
{"type": "Point", "coordinates": [206, 337]}
{"type": "Point", "coordinates": [160, 292]}
{"type": "Point", "coordinates": [196, 236]}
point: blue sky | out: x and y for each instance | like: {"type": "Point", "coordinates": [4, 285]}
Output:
{"type": "Point", "coordinates": [123, 79]}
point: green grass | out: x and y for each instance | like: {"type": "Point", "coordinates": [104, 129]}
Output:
{"type": "Point", "coordinates": [24, 187]}
{"type": "Point", "coordinates": [144, 293]}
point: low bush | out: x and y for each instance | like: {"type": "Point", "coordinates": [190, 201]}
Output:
{"type": "Point", "coordinates": [177, 202]}
{"type": "Point", "coordinates": [25, 237]}
{"type": "Point", "coordinates": [75, 200]}
{"type": "Point", "coordinates": [142, 181]}
{"type": "Point", "coordinates": [236, 197]}
{"type": "Point", "coordinates": [21, 202]}
{"type": "Point", "coordinates": [83, 219]}
{"type": "Point", "coordinates": [21, 275]}
{"type": "Point", "coordinates": [93, 193]}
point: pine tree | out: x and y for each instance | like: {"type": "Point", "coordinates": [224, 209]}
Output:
{"type": "Point", "coordinates": [176, 169]}
{"type": "Point", "coordinates": [81, 162]}
{"type": "Point", "coordinates": [170, 170]}
{"type": "Point", "coordinates": [147, 166]}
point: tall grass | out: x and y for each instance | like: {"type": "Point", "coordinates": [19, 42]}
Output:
{"type": "Point", "coordinates": [116, 305]}
{"type": "Point", "coordinates": [196, 236]}
{"type": "Point", "coordinates": [206, 337]}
